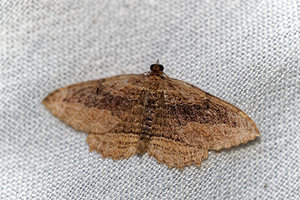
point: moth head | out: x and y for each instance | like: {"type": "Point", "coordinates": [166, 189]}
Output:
{"type": "Point", "coordinates": [156, 69]}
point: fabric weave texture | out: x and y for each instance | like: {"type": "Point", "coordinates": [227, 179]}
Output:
{"type": "Point", "coordinates": [245, 52]}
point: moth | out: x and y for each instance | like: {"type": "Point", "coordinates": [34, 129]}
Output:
{"type": "Point", "coordinates": [171, 120]}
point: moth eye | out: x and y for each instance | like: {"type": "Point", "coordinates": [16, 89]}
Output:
{"type": "Point", "coordinates": [161, 68]}
{"type": "Point", "coordinates": [151, 67]}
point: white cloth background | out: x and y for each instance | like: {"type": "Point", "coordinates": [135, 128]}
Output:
{"type": "Point", "coordinates": [245, 52]}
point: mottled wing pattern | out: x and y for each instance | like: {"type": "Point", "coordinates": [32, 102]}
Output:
{"type": "Point", "coordinates": [109, 109]}
{"type": "Point", "coordinates": [192, 122]}
{"type": "Point", "coordinates": [165, 143]}
{"type": "Point", "coordinates": [173, 121]}
{"type": "Point", "coordinates": [199, 116]}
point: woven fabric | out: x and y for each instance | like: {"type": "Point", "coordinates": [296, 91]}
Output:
{"type": "Point", "coordinates": [245, 52]}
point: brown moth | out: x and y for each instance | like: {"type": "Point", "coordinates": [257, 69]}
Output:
{"type": "Point", "coordinates": [172, 120]}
